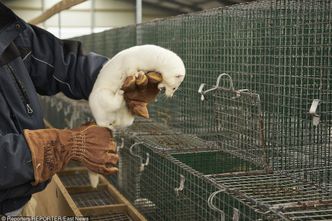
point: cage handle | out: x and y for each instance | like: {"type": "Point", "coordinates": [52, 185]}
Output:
{"type": "Point", "coordinates": [213, 207]}
{"type": "Point", "coordinates": [58, 106]}
{"type": "Point", "coordinates": [313, 112]}
{"type": "Point", "coordinates": [181, 186]}
{"type": "Point", "coordinates": [121, 146]}
{"type": "Point", "coordinates": [66, 110]}
{"type": "Point", "coordinates": [201, 87]}
{"type": "Point", "coordinates": [143, 165]}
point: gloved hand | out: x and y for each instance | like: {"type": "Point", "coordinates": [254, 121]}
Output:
{"type": "Point", "coordinates": [52, 149]}
{"type": "Point", "coordinates": [141, 90]}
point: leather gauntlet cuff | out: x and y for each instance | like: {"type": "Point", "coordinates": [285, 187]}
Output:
{"type": "Point", "coordinates": [52, 149]}
{"type": "Point", "coordinates": [45, 144]}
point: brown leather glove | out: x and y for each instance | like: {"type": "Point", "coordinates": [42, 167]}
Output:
{"type": "Point", "coordinates": [52, 149]}
{"type": "Point", "coordinates": [141, 90]}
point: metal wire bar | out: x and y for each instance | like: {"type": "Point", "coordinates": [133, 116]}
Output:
{"type": "Point", "coordinates": [177, 143]}
{"type": "Point", "coordinates": [75, 179]}
{"type": "Point", "coordinates": [148, 127]}
{"type": "Point", "coordinates": [318, 212]}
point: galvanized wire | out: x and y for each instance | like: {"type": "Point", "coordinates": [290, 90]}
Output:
{"type": "Point", "coordinates": [75, 179]}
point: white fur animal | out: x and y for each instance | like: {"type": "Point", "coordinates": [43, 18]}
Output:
{"type": "Point", "coordinates": [106, 99]}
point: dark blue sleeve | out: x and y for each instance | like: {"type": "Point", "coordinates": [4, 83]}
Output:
{"type": "Point", "coordinates": [60, 65]}
{"type": "Point", "coordinates": [15, 161]}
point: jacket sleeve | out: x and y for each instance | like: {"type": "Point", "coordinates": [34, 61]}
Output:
{"type": "Point", "coordinates": [60, 65]}
{"type": "Point", "coordinates": [15, 161]}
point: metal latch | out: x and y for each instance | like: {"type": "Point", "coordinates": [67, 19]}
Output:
{"type": "Point", "coordinates": [181, 186]}
{"type": "Point", "coordinates": [313, 112]}
{"type": "Point", "coordinates": [142, 164]}
{"type": "Point", "coordinates": [201, 87]}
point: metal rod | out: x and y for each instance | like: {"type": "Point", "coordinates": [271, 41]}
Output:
{"type": "Point", "coordinates": [93, 19]}
{"type": "Point", "coordinates": [59, 24]}
{"type": "Point", "coordinates": [138, 11]}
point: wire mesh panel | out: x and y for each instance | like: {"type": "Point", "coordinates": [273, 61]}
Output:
{"type": "Point", "coordinates": [121, 38]}
{"type": "Point", "coordinates": [111, 217]}
{"type": "Point", "coordinates": [93, 198]}
{"type": "Point", "coordinates": [240, 124]}
{"type": "Point", "coordinates": [318, 211]}
{"type": "Point", "coordinates": [149, 127]}
{"type": "Point", "coordinates": [62, 112]}
{"type": "Point", "coordinates": [168, 189]}
{"type": "Point", "coordinates": [283, 194]}
{"type": "Point", "coordinates": [279, 49]}
{"type": "Point", "coordinates": [217, 162]}
{"type": "Point", "coordinates": [244, 192]}
{"type": "Point", "coordinates": [75, 179]}
{"type": "Point", "coordinates": [316, 176]}
{"type": "Point", "coordinates": [173, 143]}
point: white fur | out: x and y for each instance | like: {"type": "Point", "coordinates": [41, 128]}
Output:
{"type": "Point", "coordinates": [106, 99]}
{"type": "Point", "coordinates": [94, 179]}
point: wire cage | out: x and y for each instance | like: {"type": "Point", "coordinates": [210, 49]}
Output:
{"type": "Point", "coordinates": [241, 189]}
{"type": "Point", "coordinates": [166, 187]}
{"type": "Point", "coordinates": [62, 112]}
{"type": "Point", "coordinates": [248, 135]}
{"type": "Point", "coordinates": [239, 122]}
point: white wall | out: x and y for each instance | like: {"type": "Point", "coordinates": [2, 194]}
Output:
{"type": "Point", "coordinates": [77, 20]}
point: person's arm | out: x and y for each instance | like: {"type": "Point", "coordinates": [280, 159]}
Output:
{"type": "Point", "coordinates": [60, 65]}
{"type": "Point", "coordinates": [15, 161]}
